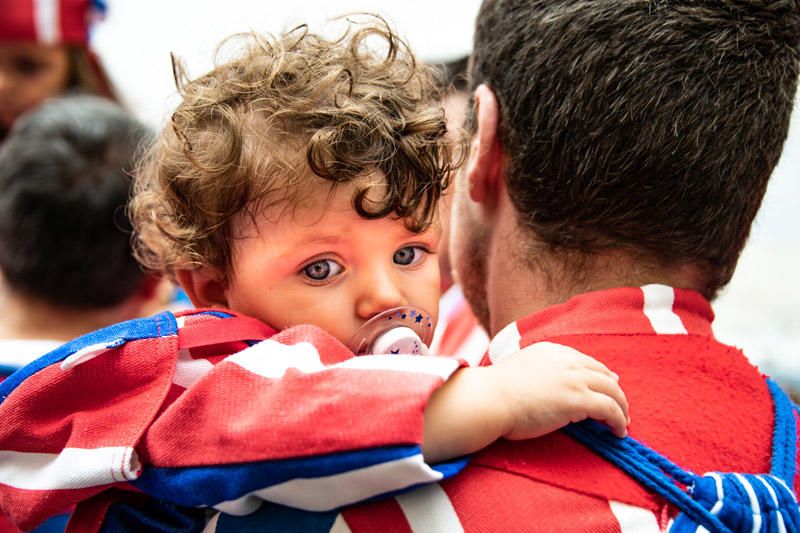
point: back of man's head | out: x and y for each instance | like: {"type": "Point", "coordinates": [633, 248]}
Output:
{"type": "Point", "coordinates": [64, 235]}
{"type": "Point", "coordinates": [645, 126]}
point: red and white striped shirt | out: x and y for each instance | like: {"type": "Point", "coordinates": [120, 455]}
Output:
{"type": "Point", "coordinates": [693, 399]}
{"type": "Point", "coordinates": [189, 413]}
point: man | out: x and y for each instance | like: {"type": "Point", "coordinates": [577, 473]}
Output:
{"type": "Point", "coordinates": [65, 257]}
{"type": "Point", "coordinates": [619, 153]}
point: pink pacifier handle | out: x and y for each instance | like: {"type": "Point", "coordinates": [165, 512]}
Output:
{"type": "Point", "coordinates": [416, 323]}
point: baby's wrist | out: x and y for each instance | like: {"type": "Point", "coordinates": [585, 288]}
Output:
{"type": "Point", "coordinates": [500, 415]}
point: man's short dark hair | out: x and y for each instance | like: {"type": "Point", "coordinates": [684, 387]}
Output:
{"type": "Point", "coordinates": [647, 126]}
{"type": "Point", "coordinates": [64, 235]}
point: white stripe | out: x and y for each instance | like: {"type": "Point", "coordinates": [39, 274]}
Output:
{"type": "Point", "coordinates": [658, 301]}
{"type": "Point", "coordinates": [188, 370]}
{"type": "Point", "coordinates": [505, 343]}
{"type": "Point", "coordinates": [73, 468]}
{"type": "Point", "coordinates": [46, 20]}
{"type": "Point", "coordinates": [330, 492]}
{"type": "Point", "coordinates": [432, 365]}
{"type": "Point", "coordinates": [339, 525]}
{"type": "Point", "coordinates": [428, 509]}
{"type": "Point", "coordinates": [180, 321]}
{"type": "Point", "coordinates": [781, 525]}
{"type": "Point", "coordinates": [783, 483]}
{"type": "Point", "coordinates": [720, 493]}
{"type": "Point", "coordinates": [211, 526]}
{"type": "Point", "coordinates": [474, 347]}
{"type": "Point", "coordinates": [87, 353]}
{"type": "Point", "coordinates": [634, 519]}
{"type": "Point", "coordinates": [754, 506]}
{"type": "Point", "coordinates": [272, 359]}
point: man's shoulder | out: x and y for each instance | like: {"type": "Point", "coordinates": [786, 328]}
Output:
{"type": "Point", "coordinates": [489, 499]}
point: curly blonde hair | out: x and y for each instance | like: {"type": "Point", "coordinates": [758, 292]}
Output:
{"type": "Point", "coordinates": [286, 113]}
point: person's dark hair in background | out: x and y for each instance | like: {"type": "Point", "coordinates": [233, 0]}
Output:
{"type": "Point", "coordinates": [624, 144]}
{"type": "Point", "coordinates": [64, 234]}
{"type": "Point", "coordinates": [453, 74]}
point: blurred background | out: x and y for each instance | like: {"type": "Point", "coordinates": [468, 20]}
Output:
{"type": "Point", "coordinates": [758, 312]}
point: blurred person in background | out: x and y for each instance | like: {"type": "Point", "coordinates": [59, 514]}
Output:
{"type": "Point", "coordinates": [44, 52]}
{"type": "Point", "coordinates": [65, 259]}
{"type": "Point", "coordinates": [458, 332]}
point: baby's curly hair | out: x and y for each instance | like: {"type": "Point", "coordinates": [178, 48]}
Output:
{"type": "Point", "coordinates": [289, 112]}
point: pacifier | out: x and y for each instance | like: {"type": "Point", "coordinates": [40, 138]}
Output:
{"type": "Point", "coordinates": [401, 330]}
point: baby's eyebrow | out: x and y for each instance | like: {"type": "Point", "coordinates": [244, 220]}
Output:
{"type": "Point", "coordinates": [321, 239]}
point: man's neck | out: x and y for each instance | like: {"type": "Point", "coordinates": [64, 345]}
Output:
{"type": "Point", "coordinates": [28, 318]}
{"type": "Point", "coordinates": [518, 287]}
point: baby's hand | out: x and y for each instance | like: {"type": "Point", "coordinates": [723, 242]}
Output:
{"type": "Point", "coordinates": [546, 386]}
{"type": "Point", "coordinates": [531, 393]}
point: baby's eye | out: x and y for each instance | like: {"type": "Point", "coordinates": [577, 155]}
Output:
{"type": "Point", "coordinates": [322, 270]}
{"type": "Point", "coordinates": [409, 255]}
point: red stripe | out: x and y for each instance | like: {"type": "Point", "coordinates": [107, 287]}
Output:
{"type": "Point", "coordinates": [384, 516]}
{"type": "Point", "coordinates": [694, 312]}
{"type": "Point", "coordinates": [73, 18]}
{"type": "Point", "coordinates": [797, 462]}
{"type": "Point", "coordinates": [29, 508]}
{"type": "Point", "coordinates": [107, 401]}
{"type": "Point", "coordinates": [238, 328]}
{"type": "Point", "coordinates": [275, 421]}
{"type": "Point", "coordinates": [17, 21]}
{"type": "Point", "coordinates": [588, 313]}
{"type": "Point", "coordinates": [6, 526]}
{"type": "Point", "coordinates": [485, 498]}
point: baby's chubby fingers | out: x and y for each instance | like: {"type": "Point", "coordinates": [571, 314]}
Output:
{"type": "Point", "coordinates": [608, 386]}
{"type": "Point", "coordinates": [607, 410]}
{"type": "Point", "coordinates": [573, 355]}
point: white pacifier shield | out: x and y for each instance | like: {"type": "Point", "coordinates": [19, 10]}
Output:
{"type": "Point", "coordinates": [401, 340]}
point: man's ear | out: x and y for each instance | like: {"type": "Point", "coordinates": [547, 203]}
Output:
{"type": "Point", "coordinates": [203, 287]}
{"type": "Point", "coordinates": [484, 165]}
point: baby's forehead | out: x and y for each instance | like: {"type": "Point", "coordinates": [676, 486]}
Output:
{"type": "Point", "coordinates": [314, 207]}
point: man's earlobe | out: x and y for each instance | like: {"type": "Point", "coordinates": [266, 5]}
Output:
{"type": "Point", "coordinates": [203, 287]}
{"type": "Point", "coordinates": [484, 165]}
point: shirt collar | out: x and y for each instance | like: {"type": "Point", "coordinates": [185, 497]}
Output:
{"type": "Point", "coordinates": [646, 310]}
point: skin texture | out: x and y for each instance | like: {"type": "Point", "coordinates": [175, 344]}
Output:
{"type": "Point", "coordinates": [367, 266]}
{"type": "Point", "coordinates": [29, 74]}
{"type": "Point", "coordinates": [531, 393]}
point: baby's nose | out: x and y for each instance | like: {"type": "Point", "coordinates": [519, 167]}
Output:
{"type": "Point", "coordinates": [378, 296]}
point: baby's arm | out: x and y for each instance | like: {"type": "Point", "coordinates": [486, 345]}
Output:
{"type": "Point", "coordinates": [536, 391]}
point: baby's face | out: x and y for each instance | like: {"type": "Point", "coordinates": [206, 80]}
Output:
{"type": "Point", "coordinates": [321, 263]}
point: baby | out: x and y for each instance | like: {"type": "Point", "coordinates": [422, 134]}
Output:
{"type": "Point", "coordinates": [297, 183]}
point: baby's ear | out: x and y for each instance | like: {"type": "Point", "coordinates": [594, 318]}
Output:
{"type": "Point", "coordinates": [203, 286]}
